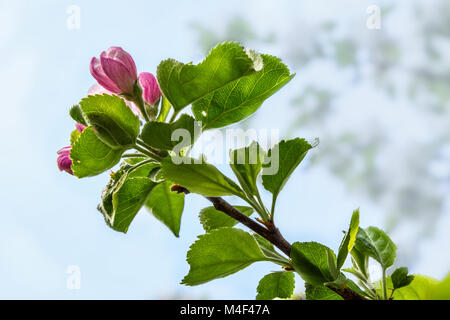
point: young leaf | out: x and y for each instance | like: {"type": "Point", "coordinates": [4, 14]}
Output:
{"type": "Point", "coordinates": [400, 278]}
{"type": "Point", "coordinates": [349, 240]}
{"type": "Point", "coordinates": [201, 178]}
{"type": "Point", "coordinates": [310, 260]}
{"type": "Point", "coordinates": [239, 99]}
{"type": "Point", "coordinates": [159, 134]}
{"type": "Point", "coordinates": [246, 164]}
{"type": "Point", "coordinates": [77, 115]}
{"type": "Point", "coordinates": [167, 206]}
{"type": "Point", "coordinates": [90, 156]}
{"type": "Point", "coordinates": [164, 111]}
{"type": "Point", "coordinates": [360, 261]}
{"type": "Point", "coordinates": [128, 200]}
{"type": "Point", "coordinates": [320, 292]}
{"type": "Point", "coordinates": [284, 158]}
{"type": "Point", "coordinates": [183, 84]}
{"type": "Point", "coordinates": [126, 193]}
{"type": "Point", "coordinates": [212, 219]}
{"type": "Point", "coordinates": [279, 284]}
{"type": "Point", "coordinates": [114, 123]}
{"type": "Point", "coordinates": [376, 244]}
{"type": "Point", "coordinates": [222, 252]}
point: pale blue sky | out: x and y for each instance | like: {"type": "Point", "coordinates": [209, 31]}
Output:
{"type": "Point", "coordinates": [49, 219]}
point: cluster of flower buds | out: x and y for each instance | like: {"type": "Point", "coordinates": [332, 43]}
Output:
{"type": "Point", "coordinates": [116, 73]}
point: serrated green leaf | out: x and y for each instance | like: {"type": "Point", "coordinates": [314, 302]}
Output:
{"type": "Point", "coordinates": [239, 99]}
{"type": "Point", "coordinates": [246, 164]}
{"type": "Point", "coordinates": [220, 253]}
{"type": "Point", "coordinates": [114, 123]}
{"type": "Point", "coordinates": [126, 193]}
{"type": "Point", "coordinates": [276, 285]}
{"type": "Point", "coordinates": [282, 160]}
{"type": "Point", "coordinates": [167, 206]}
{"type": "Point", "coordinates": [400, 278]}
{"type": "Point", "coordinates": [201, 178]}
{"type": "Point", "coordinates": [77, 115]}
{"type": "Point", "coordinates": [320, 292]}
{"type": "Point", "coordinates": [128, 200]}
{"type": "Point", "coordinates": [159, 134]}
{"type": "Point", "coordinates": [349, 239]}
{"type": "Point", "coordinates": [376, 243]}
{"type": "Point", "coordinates": [212, 219]}
{"type": "Point", "coordinates": [182, 84]}
{"type": "Point", "coordinates": [91, 156]}
{"type": "Point", "coordinates": [310, 260]}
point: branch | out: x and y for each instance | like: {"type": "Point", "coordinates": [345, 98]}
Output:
{"type": "Point", "coordinates": [268, 231]}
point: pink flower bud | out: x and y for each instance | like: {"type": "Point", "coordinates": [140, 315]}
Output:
{"type": "Point", "coordinates": [64, 162]}
{"type": "Point", "coordinates": [80, 127]}
{"type": "Point", "coordinates": [150, 89]}
{"type": "Point", "coordinates": [115, 70]}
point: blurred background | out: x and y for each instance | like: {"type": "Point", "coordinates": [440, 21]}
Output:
{"type": "Point", "coordinates": [377, 96]}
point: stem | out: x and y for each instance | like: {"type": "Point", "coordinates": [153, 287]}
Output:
{"type": "Point", "coordinates": [174, 116]}
{"type": "Point", "coordinates": [261, 211]}
{"type": "Point", "coordinates": [272, 210]}
{"type": "Point", "coordinates": [383, 283]}
{"type": "Point", "coordinates": [148, 153]}
{"type": "Point", "coordinates": [143, 144]}
{"type": "Point", "coordinates": [133, 155]}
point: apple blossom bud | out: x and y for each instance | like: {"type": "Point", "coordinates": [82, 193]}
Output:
{"type": "Point", "coordinates": [115, 70]}
{"type": "Point", "coordinates": [64, 162]}
{"type": "Point", "coordinates": [150, 88]}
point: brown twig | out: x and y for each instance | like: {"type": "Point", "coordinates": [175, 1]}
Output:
{"type": "Point", "coordinates": [266, 229]}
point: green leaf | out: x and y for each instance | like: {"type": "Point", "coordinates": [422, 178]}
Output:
{"type": "Point", "coordinates": [167, 206]}
{"type": "Point", "coordinates": [400, 278]}
{"type": "Point", "coordinates": [421, 288]}
{"type": "Point", "coordinates": [220, 253]}
{"type": "Point", "coordinates": [77, 115]}
{"type": "Point", "coordinates": [239, 99]}
{"type": "Point", "coordinates": [164, 111]}
{"type": "Point", "coordinates": [212, 219]}
{"type": "Point", "coordinates": [159, 134]}
{"type": "Point", "coordinates": [276, 285]}
{"type": "Point", "coordinates": [90, 156]}
{"type": "Point", "coordinates": [182, 84]}
{"type": "Point", "coordinates": [310, 260]}
{"type": "Point", "coordinates": [128, 200]}
{"type": "Point", "coordinates": [201, 178]}
{"type": "Point", "coordinates": [279, 164]}
{"type": "Point", "coordinates": [360, 261]}
{"type": "Point", "coordinates": [349, 239]}
{"type": "Point", "coordinates": [320, 292]}
{"type": "Point", "coordinates": [246, 164]}
{"type": "Point", "coordinates": [75, 134]}
{"type": "Point", "coordinates": [125, 194]}
{"type": "Point", "coordinates": [376, 244]}
{"type": "Point", "coordinates": [114, 123]}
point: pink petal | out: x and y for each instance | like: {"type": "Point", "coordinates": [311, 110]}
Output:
{"type": "Point", "coordinates": [123, 78]}
{"type": "Point", "coordinates": [99, 74]}
{"type": "Point", "coordinates": [150, 89]}
{"type": "Point", "coordinates": [118, 54]}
